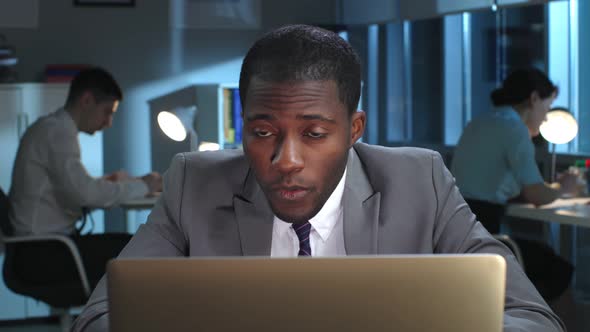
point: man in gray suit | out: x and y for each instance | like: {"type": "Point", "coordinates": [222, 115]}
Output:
{"type": "Point", "coordinates": [301, 168]}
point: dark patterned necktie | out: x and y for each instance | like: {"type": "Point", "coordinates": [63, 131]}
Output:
{"type": "Point", "coordinates": [303, 231]}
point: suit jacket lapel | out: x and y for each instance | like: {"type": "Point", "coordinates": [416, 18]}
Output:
{"type": "Point", "coordinates": [255, 219]}
{"type": "Point", "coordinates": [360, 214]}
{"type": "Point", "coordinates": [360, 210]}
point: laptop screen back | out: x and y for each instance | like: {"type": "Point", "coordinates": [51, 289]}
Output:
{"type": "Point", "coordinates": [379, 293]}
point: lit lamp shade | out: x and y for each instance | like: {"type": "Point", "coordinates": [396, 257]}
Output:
{"type": "Point", "coordinates": [177, 124]}
{"type": "Point", "coordinates": [560, 127]}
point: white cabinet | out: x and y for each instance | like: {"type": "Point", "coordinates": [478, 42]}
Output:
{"type": "Point", "coordinates": [20, 106]}
{"type": "Point", "coordinates": [10, 104]}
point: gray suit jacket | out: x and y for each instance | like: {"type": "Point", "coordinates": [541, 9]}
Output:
{"type": "Point", "coordinates": [396, 201]}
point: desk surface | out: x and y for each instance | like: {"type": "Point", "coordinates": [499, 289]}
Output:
{"type": "Point", "coordinates": [139, 203]}
{"type": "Point", "coordinates": [570, 211]}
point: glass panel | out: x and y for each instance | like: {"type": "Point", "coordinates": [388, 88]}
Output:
{"type": "Point", "coordinates": [425, 79]}
{"type": "Point", "coordinates": [558, 26]}
{"type": "Point", "coordinates": [395, 87]}
{"type": "Point", "coordinates": [434, 75]}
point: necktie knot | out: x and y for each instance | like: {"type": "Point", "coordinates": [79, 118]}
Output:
{"type": "Point", "coordinates": [303, 231]}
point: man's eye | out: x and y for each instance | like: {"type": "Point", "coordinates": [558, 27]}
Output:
{"type": "Point", "coordinates": [262, 133]}
{"type": "Point", "coordinates": [315, 135]}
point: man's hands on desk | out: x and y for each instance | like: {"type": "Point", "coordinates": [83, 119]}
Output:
{"type": "Point", "coordinates": [540, 194]}
{"type": "Point", "coordinates": [117, 176]}
{"type": "Point", "coordinates": [153, 180]}
{"type": "Point", "coordinates": [568, 184]}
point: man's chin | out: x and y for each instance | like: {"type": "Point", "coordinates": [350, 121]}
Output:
{"type": "Point", "coordinates": [292, 217]}
{"type": "Point", "coordinates": [296, 211]}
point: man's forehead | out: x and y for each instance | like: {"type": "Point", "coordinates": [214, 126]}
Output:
{"type": "Point", "coordinates": [302, 101]}
{"type": "Point", "coordinates": [260, 90]}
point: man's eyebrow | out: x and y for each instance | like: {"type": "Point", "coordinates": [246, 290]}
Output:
{"type": "Point", "coordinates": [316, 117]}
{"type": "Point", "coordinates": [267, 116]}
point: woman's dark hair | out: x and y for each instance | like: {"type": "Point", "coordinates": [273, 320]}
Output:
{"type": "Point", "coordinates": [519, 85]}
{"type": "Point", "coordinates": [96, 80]}
{"type": "Point", "coordinates": [304, 53]}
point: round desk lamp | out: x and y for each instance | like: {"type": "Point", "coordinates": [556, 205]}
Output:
{"type": "Point", "coordinates": [559, 127]}
{"type": "Point", "coordinates": [178, 124]}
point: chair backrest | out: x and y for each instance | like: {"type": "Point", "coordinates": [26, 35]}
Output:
{"type": "Point", "coordinates": [489, 214]}
{"type": "Point", "coordinates": [59, 294]}
{"type": "Point", "coordinates": [5, 225]}
{"type": "Point", "coordinates": [512, 245]}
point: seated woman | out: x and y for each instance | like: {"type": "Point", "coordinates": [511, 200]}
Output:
{"type": "Point", "coordinates": [494, 162]}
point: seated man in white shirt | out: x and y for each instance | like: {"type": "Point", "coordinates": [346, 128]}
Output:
{"type": "Point", "coordinates": [51, 188]}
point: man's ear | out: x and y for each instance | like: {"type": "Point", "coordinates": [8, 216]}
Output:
{"type": "Point", "coordinates": [87, 98]}
{"type": "Point", "coordinates": [534, 97]}
{"type": "Point", "coordinates": [357, 126]}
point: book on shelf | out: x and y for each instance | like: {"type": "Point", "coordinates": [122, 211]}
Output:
{"type": "Point", "coordinates": [237, 116]}
{"type": "Point", "coordinates": [62, 73]}
{"type": "Point", "coordinates": [228, 128]}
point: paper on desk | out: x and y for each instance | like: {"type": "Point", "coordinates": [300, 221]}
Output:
{"type": "Point", "coordinates": [566, 202]}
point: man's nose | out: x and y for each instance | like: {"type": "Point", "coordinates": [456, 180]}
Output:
{"type": "Point", "coordinates": [287, 157]}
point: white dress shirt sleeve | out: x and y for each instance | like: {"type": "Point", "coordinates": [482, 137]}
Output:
{"type": "Point", "coordinates": [72, 181]}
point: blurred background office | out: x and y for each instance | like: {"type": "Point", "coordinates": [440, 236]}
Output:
{"type": "Point", "coordinates": [429, 67]}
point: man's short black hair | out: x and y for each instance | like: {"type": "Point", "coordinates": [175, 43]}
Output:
{"type": "Point", "coordinates": [296, 53]}
{"type": "Point", "coordinates": [96, 80]}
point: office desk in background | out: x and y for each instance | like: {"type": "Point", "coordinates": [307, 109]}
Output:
{"type": "Point", "coordinates": [133, 212]}
{"type": "Point", "coordinates": [568, 213]}
{"type": "Point", "coordinates": [565, 211]}
{"type": "Point", "coordinates": [139, 204]}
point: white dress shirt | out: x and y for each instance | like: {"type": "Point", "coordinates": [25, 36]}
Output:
{"type": "Point", "coordinates": [327, 234]}
{"type": "Point", "coordinates": [49, 183]}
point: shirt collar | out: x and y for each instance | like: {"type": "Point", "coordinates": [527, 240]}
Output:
{"type": "Point", "coordinates": [325, 220]}
{"type": "Point", "coordinates": [508, 112]}
{"type": "Point", "coordinates": [69, 120]}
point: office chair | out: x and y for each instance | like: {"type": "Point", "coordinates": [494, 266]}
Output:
{"type": "Point", "coordinates": [512, 245]}
{"type": "Point", "coordinates": [59, 295]}
{"type": "Point", "coordinates": [489, 215]}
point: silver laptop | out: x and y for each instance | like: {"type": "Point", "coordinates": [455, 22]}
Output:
{"type": "Point", "coordinates": [379, 293]}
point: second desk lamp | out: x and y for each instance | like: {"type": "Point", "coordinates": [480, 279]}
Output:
{"type": "Point", "coordinates": [559, 127]}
